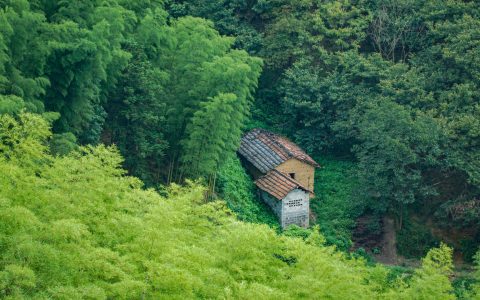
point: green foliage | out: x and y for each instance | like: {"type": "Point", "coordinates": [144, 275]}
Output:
{"type": "Point", "coordinates": [10, 104]}
{"type": "Point", "coordinates": [296, 231]}
{"type": "Point", "coordinates": [63, 143]}
{"type": "Point", "coordinates": [41, 59]}
{"type": "Point", "coordinates": [335, 205]}
{"type": "Point", "coordinates": [462, 285]}
{"type": "Point", "coordinates": [475, 291]}
{"type": "Point", "coordinates": [237, 189]}
{"type": "Point", "coordinates": [213, 132]}
{"type": "Point", "coordinates": [396, 148]}
{"type": "Point", "coordinates": [75, 226]}
{"type": "Point", "coordinates": [392, 84]}
{"type": "Point", "coordinates": [184, 77]}
{"type": "Point", "coordinates": [231, 18]}
{"type": "Point", "coordinates": [396, 29]}
{"type": "Point", "coordinates": [431, 281]}
{"type": "Point", "coordinates": [130, 65]}
{"type": "Point", "coordinates": [136, 121]}
{"type": "Point", "coordinates": [296, 29]}
{"type": "Point", "coordinates": [23, 139]}
{"type": "Point", "coordinates": [469, 248]}
{"type": "Point", "coordinates": [414, 240]}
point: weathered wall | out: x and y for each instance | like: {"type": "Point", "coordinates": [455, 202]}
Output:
{"type": "Point", "coordinates": [295, 209]}
{"type": "Point", "coordinates": [274, 203]}
{"type": "Point", "coordinates": [304, 173]}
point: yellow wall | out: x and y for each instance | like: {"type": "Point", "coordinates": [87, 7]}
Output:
{"type": "Point", "coordinates": [304, 173]}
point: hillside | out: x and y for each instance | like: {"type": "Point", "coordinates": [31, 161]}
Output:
{"type": "Point", "coordinates": [391, 86]}
{"type": "Point", "coordinates": [121, 123]}
{"type": "Point", "coordinates": [75, 227]}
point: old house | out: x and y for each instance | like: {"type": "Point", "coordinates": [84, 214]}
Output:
{"type": "Point", "coordinates": [283, 173]}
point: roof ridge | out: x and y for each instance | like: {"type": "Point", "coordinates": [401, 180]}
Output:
{"type": "Point", "coordinates": [274, 138]}
{"type": "Point", "coordinates": [290, 154]}
{"type": "Point", "coordinates": [266, 150]}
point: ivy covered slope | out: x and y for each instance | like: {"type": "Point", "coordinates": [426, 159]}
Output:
{"type": "Point", "coordinates": [334, 207]}
{"type": "Point", "coordinates": [76, 227]}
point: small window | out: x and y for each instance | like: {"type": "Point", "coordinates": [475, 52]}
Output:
{"type": "Point", "coordinates": [292, 175]}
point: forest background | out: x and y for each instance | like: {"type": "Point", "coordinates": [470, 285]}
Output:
{"type": "Point", "coordinates": [385, 94]}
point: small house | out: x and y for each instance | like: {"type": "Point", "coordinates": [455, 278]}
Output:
{"type": "Point", "coordinates": [283, 173]}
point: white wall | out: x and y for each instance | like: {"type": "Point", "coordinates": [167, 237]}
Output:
{"type": "Point", "coordinates": [296, 209]}
{"type": "Point", "coordinates": [274, 203]}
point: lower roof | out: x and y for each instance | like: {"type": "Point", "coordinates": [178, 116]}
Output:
{"type": "Point", "coordinates": [278, 184]}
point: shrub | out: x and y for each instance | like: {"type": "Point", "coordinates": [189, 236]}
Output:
{"type": "Point", "coordinates": [414, 240]}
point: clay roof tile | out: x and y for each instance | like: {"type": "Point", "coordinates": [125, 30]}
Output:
{"type": "Point", "coordinates": [278, 184]}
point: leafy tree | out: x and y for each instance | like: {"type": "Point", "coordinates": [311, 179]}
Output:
{"type": "Point", "coordinates": [23, 139]}
{"type": "Point", "coordinates": [23, 70]}
{"type": "Point", "coordinates": [396, 148]}
{"type": "Point", "coordinates": [212, 133]}
{"type": "Point", "coordinates": [80, 93]}
{"type": "Point", "coordinates": [321, 105]}
{"type": "Point", "coordinates": [137, 117]}
{"type": "Point", "coordinates": [158, 102]}
{"type": "Point", "coordinates": [232, 17]}
{"type": "Point", "coordinates": [475, 293]}
{"type": "Point", "coordinates": [431, 281]}
{"type": "Point", "coordinates": [10, 104]}
{"type": "Point", "coordinates": [397, 29]}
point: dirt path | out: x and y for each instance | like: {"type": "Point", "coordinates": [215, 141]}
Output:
{"type": "Point", "coordinates": [388, 253]}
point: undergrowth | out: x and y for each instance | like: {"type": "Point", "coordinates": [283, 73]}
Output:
{"type": "Point", "coordinates": [335, 206]}
{"type": "Point", "coordinates": [236, 187]}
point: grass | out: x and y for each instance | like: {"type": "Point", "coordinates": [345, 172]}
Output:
{"type": "Point", "coordinates": [335, 205]}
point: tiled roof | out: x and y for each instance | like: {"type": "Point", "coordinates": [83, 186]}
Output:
{"type": "Point", "coordinates": [266, 150]}
{"type": "Point", "coordinates": [278, 184]}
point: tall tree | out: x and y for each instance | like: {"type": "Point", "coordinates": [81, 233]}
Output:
{"type": "Point", "coordinates": [212, 134]}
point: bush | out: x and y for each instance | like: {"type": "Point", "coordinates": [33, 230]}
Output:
{"type": "Point", "coordinates": [469, 247]}
{"type": "Point", "coordinates": [414, 240]}
{"type": "Point", "coordinates": [297, 231]}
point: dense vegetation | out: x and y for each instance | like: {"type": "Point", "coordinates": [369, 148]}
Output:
{"type": "Point", "coordinates": [385, 94]}
{"type": "Point", "coordinates": [393, 85]}
{"type": "Point", "coordinates": [172, 94]}
{"type": "Point", "coordinates": [333, 207]}
{"type": "Point", "coordinates": [74, 227]}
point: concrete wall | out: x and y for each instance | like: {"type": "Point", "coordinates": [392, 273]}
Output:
{"type": "Point", "coordinates": [293, 209]}
{"type": "Point", "coordinates": [274, 203]}
{"type": "Point", "coordinates": [296, 209]}
{"type": "Point", "coordinates": [304, 173]}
